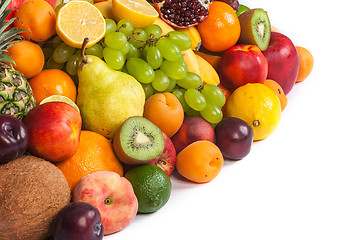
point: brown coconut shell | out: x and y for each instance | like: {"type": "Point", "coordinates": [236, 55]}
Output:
{"type": "Point", "coordinates": [32, 192]}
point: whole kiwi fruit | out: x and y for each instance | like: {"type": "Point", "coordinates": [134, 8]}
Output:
{"type": "Point", "coordinates": [32, 192]}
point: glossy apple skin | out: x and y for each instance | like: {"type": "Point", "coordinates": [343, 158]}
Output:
{"type": "Point", "coordinates": [80, 221]}
{"type": "Point", "coordinates": [193, 129]}
{"type": "Point", "coordinates": [234, 137]}
{"type": "Point", "coordinates": [167, 159]}
{"type": "Point", "coordinates": [112, 195]}
{"type": "Point", "coordinates": [14, 138]}
{"type": "Point", "coordinates": [242, 64]}
{"type": "Point", "coordinates": [54, 130]}
{"type": "Point", "coordinates": [283, 61]}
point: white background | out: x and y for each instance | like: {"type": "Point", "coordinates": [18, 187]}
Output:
{"type": "Point", "coordinates": [303, 181]}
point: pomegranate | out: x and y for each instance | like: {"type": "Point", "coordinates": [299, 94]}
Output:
{"type": "Point", "coordinates": [183, 13]}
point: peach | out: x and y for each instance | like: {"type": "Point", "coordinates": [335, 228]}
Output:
{"type": "Point", "coordinates": [112, 195]}
{"type": "Point", "coordinates": [165, 111]}
{"type": "Point", "coordinates": [54, 130]}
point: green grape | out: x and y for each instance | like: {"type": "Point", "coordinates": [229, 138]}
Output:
{"type": "Point", "coordinates": [172, 85]}
{"type": "Point", "coordinates": [154, 57]}
{"type": "Point", "coordinates": [213, 94]}
{"type": "Point", "coordinates": [125, 49]}
{"type": "Point", "coordinates": [212, 113]}
{"type": "Point", "coordinates": [55, 42]}
{"type": "Point", "coordinates": [161, 81]}
{"type": "Point", "coordinates": [195, 99]}
{"type": "Point", "coordinates": [75, 79]}
{"type": "Point", "coordinates": [139, 38]}
{"type": "Point", "coordinates": [179, 93]}
{"type": "Point", "coordinates": [51, 64]}
{"type": "Point", "coordinates": [176, 70]}
{"type": "Point", "coordinates": [133, 51]}
{"type": "Point", "coordinates": [148, 89]}
{"type": "Point", "coordinates": [182, 40]}
{"type": "Point", "coordinates": [57, 8]}
{"type": "Point", "coordinates": [169, 50]}
{"type": "Point", "coordinates": [62, 53]}
{"type": "Point", "coordinates": [95, 50]}
{"type": "Point", "coordinates": [114, 58]}
{"type": "Point", "coordinates": [191, 80]}
{"type": "Point", "coordinates": [47, 51]}
{"type": "Point", "coordinates": [140, 70]}
{"type": "Point", "coordinates": [72, 64]}
{"type": "Point", "coordinates": [115, 40]}
{"type": "Point", "coordinates": [153, 31]}
{"type": "Point", "coordinates": [110, 26]}
{"type": "Point", "coordinates": [125, 26]}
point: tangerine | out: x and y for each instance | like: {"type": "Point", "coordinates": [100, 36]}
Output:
{"type": "Point", "coordinates": [221, 29]}
{"type": "Point", "coordinates": [306, 63]}
{"type": "Point", "coordinates": [95, 153]}
{"type": "Point", "coordinates": [52, 82]}
{"type": "Point", "coordinates": [278, 90]}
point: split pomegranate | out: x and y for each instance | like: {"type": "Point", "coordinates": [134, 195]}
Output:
{"type": "Point", "coordinates": [183, 13]}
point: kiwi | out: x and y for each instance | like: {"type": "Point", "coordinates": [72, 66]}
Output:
{"type": "Point", "coordinates": [255, 28]}
{"type": "Point", "coordinates": [32, 192]}
{"type": "Point", "coordinates": [138, 141]}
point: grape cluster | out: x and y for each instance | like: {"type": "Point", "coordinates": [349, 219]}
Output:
{"type": "Point", "coordinates": [152, 58]}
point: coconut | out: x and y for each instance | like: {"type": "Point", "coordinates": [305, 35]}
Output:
{"type": "Point", "coordinates": [32, 192]}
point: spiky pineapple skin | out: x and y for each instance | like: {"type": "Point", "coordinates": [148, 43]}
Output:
{"type": "Point", "coordinates": [16, 96]}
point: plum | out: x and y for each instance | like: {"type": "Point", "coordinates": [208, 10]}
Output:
{"type": "Point", "coordinates": [14, 138]}
{"type": "Point", "coordinates": [234, 138]}
{"type": "Point", "coordinates": [78, 221]}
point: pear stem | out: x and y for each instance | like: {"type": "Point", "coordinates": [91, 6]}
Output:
{"type": "Point", "coordinates": [83, 56]}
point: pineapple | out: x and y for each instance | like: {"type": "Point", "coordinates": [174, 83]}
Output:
{"type": "Point", "coordinates": [16, 97]}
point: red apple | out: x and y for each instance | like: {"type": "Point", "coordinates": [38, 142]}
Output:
{"type": "Point", "coordinates": [193, 129]}
{"type": "Point", "coordinates": [283, 61]}
{"type": "Point", "coordinates": [167, 159]}
{"type": "Point", "coordinates": [112, 195]}
{"type": "Point", "coordinates": [54, 130]}
{"type": "Point", "coordinates": [242, 64]}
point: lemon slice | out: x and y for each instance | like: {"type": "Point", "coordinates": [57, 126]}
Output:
{"type": "Point", "coordinates": [77, 20]}
{"type": "Point", "coordinates": [59, 98]}
{"type": "Point", "coordinates": [139, 12]}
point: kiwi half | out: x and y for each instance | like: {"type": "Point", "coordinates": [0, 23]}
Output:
{"type": "Point", "coordinates": [255, 28]}
{"type": "Point", "coordinates": [138, 141]}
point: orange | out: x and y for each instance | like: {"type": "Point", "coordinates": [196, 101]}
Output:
{"type": "Point", "coordinates": [78, 20]}
{"type": "Point", "coordinates": [26, 52]}
{"type": "Point", "coordinates": [200, 162]}
{"type": "Point", "coordinates": [221, 29]}
{"type": "Point", "coordinates": [95, 153]}
{"type": "Point", "coordinates": [52, 82]}
{"type": "Point", "coordinates": [278, 90]}
{"type": "Point", "coordinates": [306, 63]}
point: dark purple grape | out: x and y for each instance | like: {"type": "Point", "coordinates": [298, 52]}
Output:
{"type": "Point", "coordinates": [78, 221]}
{"type": "Point", "coordinates": [234, 138]}
{"type": "Point", "coordinates": [233, 3]}
{"type": "Point", "coordinates": [14, 138]}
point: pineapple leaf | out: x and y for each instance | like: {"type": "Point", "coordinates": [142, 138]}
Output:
{"type": "Point", "coordinates": [8, 36]}
{"type": "Point", "coordinates": [6, 58]}
{"type": "Point", "coordinates": [4, 5]}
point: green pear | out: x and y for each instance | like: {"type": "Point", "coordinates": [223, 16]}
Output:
{"type": "Point", "coordinates": [107, 97]}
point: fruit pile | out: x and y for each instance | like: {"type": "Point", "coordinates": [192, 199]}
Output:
{"type": "Point", "coordinates": [108, 98]}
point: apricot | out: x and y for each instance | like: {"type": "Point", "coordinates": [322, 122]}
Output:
{"type": "Point", "coordinates": [200, 162]}
{"type": "Point", "coordinates": [165, 111]}
{"type": "Point", "coordinates": [38, 18]}
{"type": "Point", "coordinates": [278, 90]}
{"type": "Point", "coordinates": [306, 63]}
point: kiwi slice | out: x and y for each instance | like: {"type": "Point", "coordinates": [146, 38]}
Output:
{"type": "Point", "coordinates": [138, 141]}
{"type": "Point", "coordinates": [255, 28]}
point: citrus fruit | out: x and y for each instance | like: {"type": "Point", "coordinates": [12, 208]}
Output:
{"type": "Point", "coordinates": [257, 105]}
{"type": "Point", "coordinates": [77, 20]}
{"type": "Point", "coordinates": [60, 98]}
{"type": "Point", "coordinates": [139, 12]}
{"type": "Point", "coordinates": [306, 63]}
{"type": "Point", "coordinates": [152, 187]}
{"type": "Point", "coordinates": [278, 90]}
{"type": "Point", "coordinates": [94, 154]}
{"type": "Point", "coordinates": [52, 82]}
{"type": "Point", "coordinates": [221, 29]}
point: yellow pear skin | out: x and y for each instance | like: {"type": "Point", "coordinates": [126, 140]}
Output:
{"type": "Point", "coordinates": [106, 97]}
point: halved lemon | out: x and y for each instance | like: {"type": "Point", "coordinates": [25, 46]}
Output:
{"type": "Point", "coordinates": [139, 12]}
{"type": "Point", "coordinates": [78, 20]}
{"type": "Point", "coordinates": [59, 98]}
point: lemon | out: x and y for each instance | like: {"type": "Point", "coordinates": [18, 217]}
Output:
{"type": "Point", "coordinates": [59, 98]}
{"type": "Point", "coordinates": [139, 12]}
{"type": "Point", "coordinates": [257, 105]}
{"type": "Point", "coordinates": [78, 20]}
